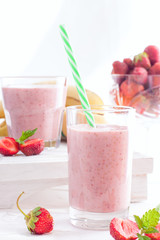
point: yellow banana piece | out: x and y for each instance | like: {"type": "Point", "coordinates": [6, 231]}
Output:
{"type": "Point", "coordinates": [2, 115]}
{"type": "Point", "coordinates": [73, 99]}
{"type": "Point", "coordinates": [72, 95]}
{"type": "Point", "coordinates": [3, 129]}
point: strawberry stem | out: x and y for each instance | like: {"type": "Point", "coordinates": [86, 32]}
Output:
{"type": "Point", "coordinates": [19, 207]}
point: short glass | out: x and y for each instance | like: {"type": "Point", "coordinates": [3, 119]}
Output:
{"type": "Point", "coordinates": [100, 165]}
{"type": "Point", "coordinates": [35, 102]}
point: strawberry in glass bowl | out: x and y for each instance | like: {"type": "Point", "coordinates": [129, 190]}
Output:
{"type": "Point", "coordinates": [136, 82]}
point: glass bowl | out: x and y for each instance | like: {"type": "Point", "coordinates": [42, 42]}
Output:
{"type": "Point", "coordinates": [137, 91]}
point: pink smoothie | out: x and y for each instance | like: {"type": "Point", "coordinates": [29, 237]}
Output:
{"type": "Point", "coordinates": [99, 170]}
{"type": "Point", "coordinates": [39, 106]}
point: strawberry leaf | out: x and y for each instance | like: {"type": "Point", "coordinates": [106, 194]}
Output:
{"type": "Point", "coordinates": [35, 219]}
{"type": "Point", "coordinates": [37, 213]}
{"type": "Point", "coordinates": [31, 224]}
{"type": "Point", "coordinates": [36, 209]}
{"type": "Point", "coordinates": [25, 135]}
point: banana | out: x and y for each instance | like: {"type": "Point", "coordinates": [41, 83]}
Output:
{"type": "Point", "coordinates": [64, 126]}
{"type": "Point", "coordinates": [73, 99]}
{"type": "Point", "coordinates": [3, 129]}
{"type": "Point", "coordinates": [3, 125]}
{"type": "Point", "coordinates": [1, 110]}
{"type": "Point", "coordinates": [72, 96]}
{"type": "Point", "coordinates": [46, 82]}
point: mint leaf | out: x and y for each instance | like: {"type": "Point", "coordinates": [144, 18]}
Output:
{"type": "Point", "coordinates": [140, 237]}
{"type": "Point", "coordinates": [146, 238]}
{"type": "Point", "coordinates": [150, 218]}
{"type": "Point", "coordinates": [138, 221]}
{"type": "Point", "coordinates": [26, 135]}
{"type": "Point", "coordinates": [151, 230]}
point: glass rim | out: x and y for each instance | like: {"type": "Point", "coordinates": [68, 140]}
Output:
{"type": "Point", "coordinates": [6, 81]}
{"type": "Point", "coordinates": [34, 77]}
{"type": "Point", "coordinates": [102, 108]}
{"type": "Point", "coordinates": [127, 75]}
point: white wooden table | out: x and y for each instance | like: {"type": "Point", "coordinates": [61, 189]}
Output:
{"type": "Point", "coordinates": [12, 225]}
{"type": "Point", "coordinates": [44, 178]}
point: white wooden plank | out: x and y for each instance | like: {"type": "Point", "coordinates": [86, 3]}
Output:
{"type": "Point", "coordinates": [139, 188]}
{"type": "Point", "coordinates": [44, 172]}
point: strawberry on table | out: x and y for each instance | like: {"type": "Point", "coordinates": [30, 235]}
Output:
{"type": "Point", "coordinates": [8, 146]}
{"type": "Point", "coordinates": [145, 227]}
{"type": "Point", "coordinates": [39, 220]}
{"type": "Point", "coordinates": [147, 223]}
{"type": "Point", "coordinates": [123, 229]}
{"type": "Point", "coordinates": [32, 147]}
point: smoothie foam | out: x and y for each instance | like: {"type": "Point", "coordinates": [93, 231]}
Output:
{"type": "Point", "coordinates": [99, 174]}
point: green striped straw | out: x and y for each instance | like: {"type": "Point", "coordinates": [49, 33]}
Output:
{"type": "Point", "coordinates": [77, 78]}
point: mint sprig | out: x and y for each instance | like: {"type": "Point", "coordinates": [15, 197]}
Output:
{"type": "Point", "coordinates": [25, 135]}
{"type": "Point", "coordinates": [147, 224]}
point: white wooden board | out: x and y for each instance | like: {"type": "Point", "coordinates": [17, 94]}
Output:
{"type": "Point", "coordinates": [44, 178]}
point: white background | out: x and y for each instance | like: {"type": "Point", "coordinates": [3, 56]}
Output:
{"type": "Point", "coordinates": [100, 32]}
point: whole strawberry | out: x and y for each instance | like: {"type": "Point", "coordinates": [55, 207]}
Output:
{"type": "Point", "coordinates": [142, 60]}
{"type": "Point", "coordinates": [119, 68]}
{"type": "Point", "coordinates": [155, 69]}
{"type": "Point", "coordinates": [153, 53]}
{"type": "Point", "coordinates": [141, 75]}
{"type": "Point", "coordinates": [130, 88]}
{"type": "Point", "coordinates": [129, 63]}
{"type": "Point", "coordinates": [39, 220]}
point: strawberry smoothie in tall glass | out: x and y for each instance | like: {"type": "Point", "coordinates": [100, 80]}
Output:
{"type": "Point", "coordinates": [39, 105]}
{"type": "Point", "coordinates": [99, 168]}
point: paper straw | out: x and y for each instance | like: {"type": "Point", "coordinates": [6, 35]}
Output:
{"type": "Point", "coordinates": [77, 78]}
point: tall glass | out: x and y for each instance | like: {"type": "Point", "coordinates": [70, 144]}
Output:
{"type": "Point", "coordinates": [35, 102]}
{"type": "Point", "coordinates": [100, 165]}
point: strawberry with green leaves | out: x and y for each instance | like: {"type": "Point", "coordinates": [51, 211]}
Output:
{"type": "Point", "coordinates": [39, 220]}
{"type": "Point", "coordinates": [145, 228]}
{"type": "Point", "coordinates": [32, 146]}
{"type": "Point", "coordinates": [155, 236]}
{"type": "Point", "coordinates": [147, 224]}
{"type": "Point", "coordinates": [10, 146]}
{"type": "Point", "coordinates": [142, 60]}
